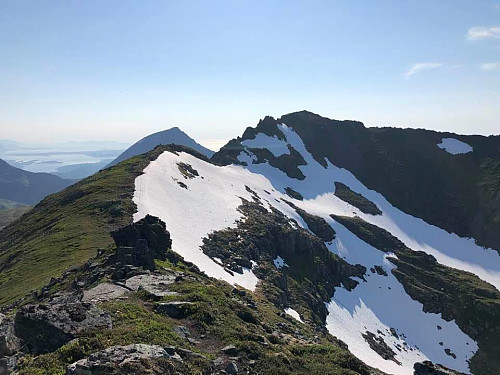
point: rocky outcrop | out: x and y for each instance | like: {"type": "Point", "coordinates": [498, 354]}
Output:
{"type": "Point", "coordinates": [138, 255]}
{"type": "Point", "coordinates": [9, 343]}
{"type": "Point", "coordinates": [316, 224]}
{"type": "Point", "coordinates": [118, 359]}
{"type": "Point", "coordinates": [355, 199]}
{"type": "Point", "coordinates": [176, 310]}
{"type": "Point", "coordinates": [141, 242]}
{"type": "Point", "coordinates": [264, 235]}
{"type": "Point", "coordinates": [379, 346]}
{"type": "Point", "coordinates": [429, 368]}
{"type": "Point", "coordinates": [47, 326]}
{"type": "Point", "coordinates": [293, 194]}
{"type": "Point", "coordinates": [187, 170]}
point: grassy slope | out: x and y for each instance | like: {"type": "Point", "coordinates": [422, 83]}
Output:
{"type": "Point", "coordinates": [7, 216]}
{"type": "Point", "coordinates": [67, 228]}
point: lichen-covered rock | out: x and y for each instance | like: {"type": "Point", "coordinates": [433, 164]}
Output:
{"type": "Point", "coordinates": [104, 292]}
{"type": "Point", "coordinates": [9, 343]}
{"type": "Point", "coordinates": [155, 285]}
{"type": "Point", "coordinates": [117, 359]}
{"type": "Point", "coordinates": [48, 326]}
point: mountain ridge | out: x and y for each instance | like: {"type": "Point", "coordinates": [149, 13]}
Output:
{"type": "Point", "coordinates": [456, 192]}
{"type": "Point", "coordinates": [27, 187]}
{"type": "Point", "coordinates": [269, 214]}
{"type": "Point", "coordinates": [170, 136]}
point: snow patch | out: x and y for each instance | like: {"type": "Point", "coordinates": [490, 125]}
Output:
{"type": "Point", "coordinates": [293, 313]}
{"type": "Point", "coordinates": [277, 146]}
{"type": "Point", "coordinates": [381, 303]}
{"type": "Point", "coordinates": [279, 262]}
{"type": "Point", "coordinates": [454, 146]}
{"type": "Point", "coordinates": [208, 205]}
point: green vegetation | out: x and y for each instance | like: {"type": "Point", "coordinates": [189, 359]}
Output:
{"type": "Point", "coordinates": [67, 228]}
{"type": "Point", "coordinates": [133, 323]}
{"type": "Point", "coordinates": [220, 316]}
{"type": "Point", "coordinates": [311, 359]}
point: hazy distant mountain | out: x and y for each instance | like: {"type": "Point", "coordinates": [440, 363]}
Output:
{"type": "Point", "coordinates": [173, 135]}
{"type": "Point", "coordinates": [10, 211]}
{"type": "Point", "coordinates": [7, 145]}
{"type": "Point", "coordinates": [27, 187]}
{"type": "Point", "coordinates": [93, 145]}
{"type": "Point", "coordinates": [77, 171]}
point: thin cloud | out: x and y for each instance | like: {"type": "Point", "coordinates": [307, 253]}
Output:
{"type": "Point", "coordinates": [420, 67]}
{"type": "Point", "coordinates": [490, 66]}
{"type": "Point", "coordinates": [481, 32]}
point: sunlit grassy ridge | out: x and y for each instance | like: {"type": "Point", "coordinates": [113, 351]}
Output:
{"type": "Point", "coordinates": [67, 228]}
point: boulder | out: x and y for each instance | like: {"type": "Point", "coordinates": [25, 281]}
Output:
{"type": "Point", "coordinates": [139, 255]}
{"type": "Point", "coordinates": [46, 327]}
{"type": "Point", "coordinates": [182, 332]}
{"type": "Point", "coordinates": [4, 366]}
{"type": "Point", "coordinates": [116, 359]}
{"type": "Point", "coordinates": [9, 343]}
{"type": "Point", "coordinates": [155, 285]}
{"type": "Point", "coordinates": [8, 364]}
{"type": "Point", "coordinates": [151, 229]}
{"type": "Point", "coordinates": [231, 368]}
{"type": "Point", "coordinates": [104, 292]}
{"type": "Point", "coordinates": [230, 350]}
{"type": "Point", "coordinates": [176, 310]}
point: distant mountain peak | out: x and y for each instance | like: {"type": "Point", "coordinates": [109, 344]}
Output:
{"type": "Point", "coordinates": [172, 135]}
{"type": "Point", "coordinates": [26, 187]}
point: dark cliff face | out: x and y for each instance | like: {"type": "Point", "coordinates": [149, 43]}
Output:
{"type": "Point", "coordinates": [459, 193]}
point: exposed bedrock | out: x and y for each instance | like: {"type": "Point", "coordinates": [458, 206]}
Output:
{"type": "Point", "coordinates": [141, 242]}
{"type": "Point", "coordinates": [46, 327]}
{"type": "Point", "coordinates": [313, 270]}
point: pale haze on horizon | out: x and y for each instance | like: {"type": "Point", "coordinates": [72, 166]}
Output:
{"type": "Point", "coordinates": [119, 70]}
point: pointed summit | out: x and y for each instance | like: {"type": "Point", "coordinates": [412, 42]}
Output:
{"type": "Point", "coordinates": [172, 135]}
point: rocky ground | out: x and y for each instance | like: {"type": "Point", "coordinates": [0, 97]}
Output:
{"type": "Point", "coordinates": [140, 309]}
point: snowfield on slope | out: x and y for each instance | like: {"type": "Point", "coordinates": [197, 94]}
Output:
{"type": "Point", "coordinates": [208, 203]}
{"type": "Point", "coordinates": [318, 191]}
{"type": "Point", "coordinates": [454, 146]}
{"type": "Point", "coordinates": [194, 207]}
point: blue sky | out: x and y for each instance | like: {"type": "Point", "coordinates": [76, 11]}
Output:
{"type": "Point", "coordinates": [76, 70]}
